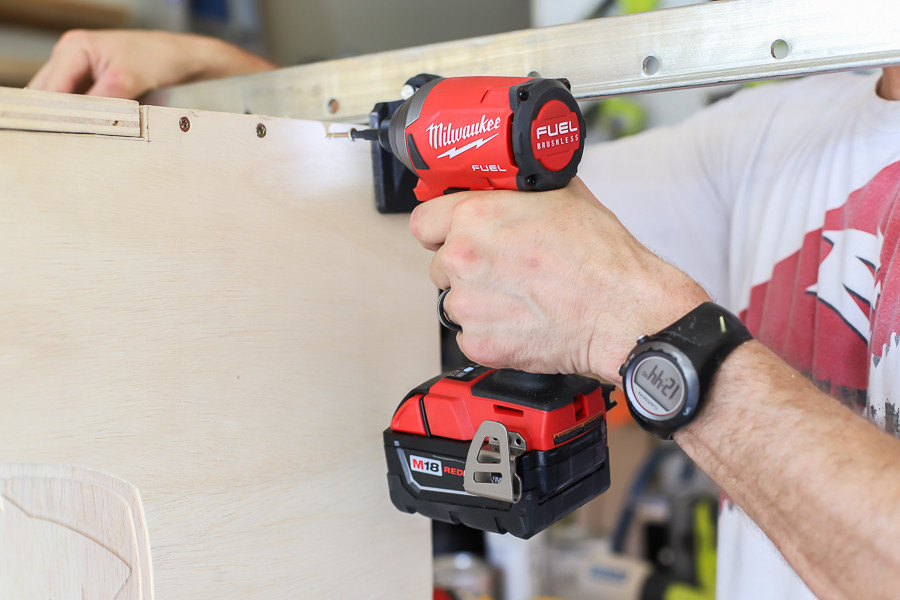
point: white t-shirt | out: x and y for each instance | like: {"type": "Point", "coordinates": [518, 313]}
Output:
{"type": "Point", "coordinates": [784, 202]}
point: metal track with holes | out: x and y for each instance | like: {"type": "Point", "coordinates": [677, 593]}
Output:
{"type": "Point", "coordinates": [704, 44]}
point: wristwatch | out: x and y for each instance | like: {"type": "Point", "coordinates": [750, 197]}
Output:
{"type": "Point", "coordinates": [668, 374]}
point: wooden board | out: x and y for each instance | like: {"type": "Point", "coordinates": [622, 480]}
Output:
{"type": "Point", "coordinates": [221, 325]}
{"type": "Point", "coordinates": [39, 111]}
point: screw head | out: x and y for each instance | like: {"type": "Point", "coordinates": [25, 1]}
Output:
{"type": "Point", "coordinates": [184, 123]}
{"type": "Point", "coordinates": [260, 130]}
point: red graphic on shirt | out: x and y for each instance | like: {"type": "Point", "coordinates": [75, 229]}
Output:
{"type": "Point", "coordinates": [816, 310]}
{"type": "Point", "coordinates": [887, 279]}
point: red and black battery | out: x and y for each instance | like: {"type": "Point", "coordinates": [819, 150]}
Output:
{"type": "Point", "coordinates": [499, 450]}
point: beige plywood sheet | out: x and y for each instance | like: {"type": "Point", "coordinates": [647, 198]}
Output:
{"type": "Point", "coordinates": [223, 322]}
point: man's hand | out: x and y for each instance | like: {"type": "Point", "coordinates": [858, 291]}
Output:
{"type": "Point", "coordinates": [547, 282]}
{"type": "Point", "coordinates": [128, 64]}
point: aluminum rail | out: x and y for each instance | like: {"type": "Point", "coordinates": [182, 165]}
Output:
{"type": "Point", "coordinates": [698, 45]}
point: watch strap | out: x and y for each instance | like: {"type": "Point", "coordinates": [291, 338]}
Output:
{"type": "Point", "coordinates": [708, 334]}
{"type": "Point", "coordinates": [702, 339]}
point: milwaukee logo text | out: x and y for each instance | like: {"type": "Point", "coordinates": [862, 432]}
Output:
{"type": "Point", "coordinates": [440, 135]}
{"type": "Point", "coordinates": [425, 465]}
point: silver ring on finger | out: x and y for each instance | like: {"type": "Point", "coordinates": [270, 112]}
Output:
{"type": "Point", "coordinates": [446, 321]}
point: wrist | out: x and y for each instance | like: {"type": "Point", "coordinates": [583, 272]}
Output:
{"type": "Point", "coordinates": [213, 58]}
{"type": "Point", "coordinates": [645, 316]}
{"type": "Point", "coordinates": [889, 84]}
{"type": "Point", "coordinates": [726, 410]}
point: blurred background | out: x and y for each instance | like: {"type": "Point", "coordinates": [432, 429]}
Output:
{"type": "Point", "coordinates": [289, 32]}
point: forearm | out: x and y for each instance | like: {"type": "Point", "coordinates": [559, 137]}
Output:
{"type": "Point", "coordinates": [820, 481]}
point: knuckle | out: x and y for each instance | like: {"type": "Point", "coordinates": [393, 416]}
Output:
{"type": "Point", "coordinates": [73, 37]}
{"type": "Point", "coordinates": [467, 210]}
{"type": "Point", "coordinates": [460, 257]}
{"type": "Point", "coordinates": [120, 81]}
{"type": "Point", "coordinates": [481, 350]}
{"type": "Point", "coordinates": [415, 224]}
{"type": "Point", "coordinates": [438, 274]}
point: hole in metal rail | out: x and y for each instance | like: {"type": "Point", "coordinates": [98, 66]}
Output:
{"type": "Point", "coordinates": [650, 65]}
{"type": "Point", "coordinates": [780, 49]}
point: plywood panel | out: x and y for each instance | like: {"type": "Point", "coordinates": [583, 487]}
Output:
{"type": "Point", "coordinates": [40, 111]}
{"type": "Point", "coordinates": [75, 533]}
{"type": "Point", "coordinates": [225, 323]}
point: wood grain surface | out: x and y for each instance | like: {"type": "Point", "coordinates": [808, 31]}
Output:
{"type": "Point", "coordinates": [224, 322]}
{"type": "Point", "coordinates": [31, 110]}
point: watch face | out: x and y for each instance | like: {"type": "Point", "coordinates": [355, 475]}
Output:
{"type": "Point", "coordinates": [657, 386]}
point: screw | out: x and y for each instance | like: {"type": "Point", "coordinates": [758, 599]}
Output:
{"type": "Point", "coordinates": [260, 130]}
{"type": "Point", "coordinates": [531, 181]}
{"type": "Point", "coordinates": [184, 123]}
{"type": "Point", "coordinates": [523, 95]}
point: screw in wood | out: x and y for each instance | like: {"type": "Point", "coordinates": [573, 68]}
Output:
{"type": "Point", "coordinates": [184, 123]}
{"type": "Point", "coordinates": [260, 130]}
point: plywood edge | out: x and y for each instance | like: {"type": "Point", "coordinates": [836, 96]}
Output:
{"type": "Point", "coordinates": [31, 110]}
{"type": "Point", "coordinates": [52, 512]}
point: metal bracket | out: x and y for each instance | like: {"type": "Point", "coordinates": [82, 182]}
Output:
{"type": "Point", "coordinates": [696, 45]}
{"type": "Point", "coordinates": [491, 463]}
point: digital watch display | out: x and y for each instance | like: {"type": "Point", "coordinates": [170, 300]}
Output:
{"type": "Point", "coordinates": [658, 387]}
{"type": "Point", "coordinates": [667, 375]}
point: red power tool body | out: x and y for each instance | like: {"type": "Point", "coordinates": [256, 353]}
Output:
{"type": "Point", "coordinates": [498, 450]}
{"type": "Point", "coordinates": [490, 133]}
{"type": "Point", "coordinates": [482, 133]}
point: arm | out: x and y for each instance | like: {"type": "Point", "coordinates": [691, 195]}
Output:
{"type": "Point", "coordinates": [552, 282]}
{"type": "Point", "coordinates": [127, 64]}
{"type": "Point", "coordinates": [820, 481]}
